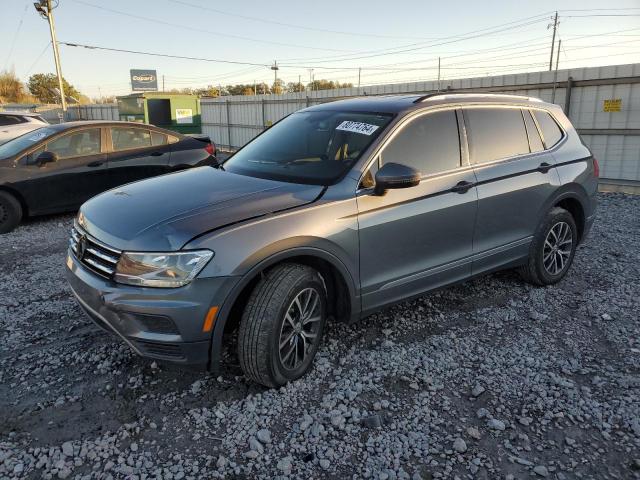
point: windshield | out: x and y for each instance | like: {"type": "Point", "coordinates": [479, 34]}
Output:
{"type": "Point", "coordinates": [16, 145]}
{"type": "Point", "coordinates": [309, 147]}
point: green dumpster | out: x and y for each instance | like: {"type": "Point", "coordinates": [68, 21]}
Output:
{"type": "Point", "coordinates": [177, 112]}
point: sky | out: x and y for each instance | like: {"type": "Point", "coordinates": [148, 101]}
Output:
{"type": "Point", "coordinates": [390, 42]}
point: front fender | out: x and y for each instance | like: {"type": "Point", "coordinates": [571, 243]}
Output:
{"type": "Point", "coordinates": [270, 256]}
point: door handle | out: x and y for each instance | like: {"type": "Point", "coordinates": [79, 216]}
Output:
{"type": "Point", "coordinates": [544, 167]}
{"type": "Point", "coordinates": [97, 163]}
{"type": "Point", "coordinates": [462, 187]}
{"type": "Point", "coordinates": [157, 154]}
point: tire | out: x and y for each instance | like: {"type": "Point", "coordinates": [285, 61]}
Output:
{"type": "Point", "coordinates": [268, 326]}
{"type": "Point", "coordinates": [10, 212]}
{"type": "Point", "coordinates": [547, 265]}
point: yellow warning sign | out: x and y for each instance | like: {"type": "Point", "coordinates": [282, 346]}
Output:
{"type": "Point", "coordinates": [613, 105]}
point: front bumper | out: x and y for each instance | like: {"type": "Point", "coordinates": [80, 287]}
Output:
{"type": "Point", "coordinates": [160, 323]}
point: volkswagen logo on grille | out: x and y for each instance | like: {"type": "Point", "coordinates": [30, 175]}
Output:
{"type": "Point", "coordinates": [82, 246]}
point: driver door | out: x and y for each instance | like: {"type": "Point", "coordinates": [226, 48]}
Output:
{"type": "Point", "coordinates": [418, 238]}
{"type": "Point", "coordinates": [78, 174]}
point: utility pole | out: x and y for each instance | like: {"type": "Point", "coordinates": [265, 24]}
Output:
{"type": "Point", "coordinates": [359, 73]}
{"type": "Point", "coordinates": [438, 73]}
{"type": "Point", "coordinates": [553, 40]}
{"type": "Point", "coordinates": [555, 75]}
{"type": "Point", "coordinates": [44, 8]}
{"type": "Point", "coordinates": [163, 83]}
{"type": "Point", "coordinates": [275, 69]}
{"type": "Point", "coordinates": [299, 88]}
{"type": "Point", "coordinates": [255, 88]}
{"type": "Point", "coordinates": [311, 79]}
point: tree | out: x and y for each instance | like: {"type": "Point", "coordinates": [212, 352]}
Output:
{"type": "Point", "coordinates": [295, 87]}
{"type": "Point", "coordinates": [104, 99]}
{"type": "Point", "coordinates": [44, 86]}
{"type": "Point", "coordinates": [278, 87]}
{"type": "Point", "coordinates": [209, 91]}
{"type": "Point", "coordinates": [327, 85]}
{"type": "Point", "coordinates": [12, 89]}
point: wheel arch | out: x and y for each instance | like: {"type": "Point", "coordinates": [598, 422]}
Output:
{"type": "Point", "coordinates": [341, 291]}
{"type": "Point", "coordinates": [574, 199]}
{"type": "Point", "coordinates": [18, 196]}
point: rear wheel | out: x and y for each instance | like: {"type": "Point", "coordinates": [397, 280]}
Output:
{"type": "Point", "coordinates": [10, 212]}
{"type": "Point", "coordinates": [552, 250]}
{"type": "Point", "coordinates": [282, 324]}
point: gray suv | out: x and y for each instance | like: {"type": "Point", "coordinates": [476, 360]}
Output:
{"type": "Point", "coordinates": [331, 214]}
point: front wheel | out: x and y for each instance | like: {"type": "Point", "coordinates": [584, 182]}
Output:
{"type": "Point", "coordinates": [10, 212]}
{"type": "Point", "coordinates": [282, 323]}
{"type": "Point", "coordinates": [552, 249]}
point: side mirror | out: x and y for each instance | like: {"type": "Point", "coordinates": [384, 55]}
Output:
{"type": "Point", "coordinates": [395, 175]}
{"type": "Point", "coordinates": [46, 157]}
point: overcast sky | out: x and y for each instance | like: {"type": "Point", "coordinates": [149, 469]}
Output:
{"type": "Point", "coordinates": [390, 41]}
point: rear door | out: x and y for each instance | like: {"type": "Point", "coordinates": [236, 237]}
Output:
{"type": "Point", "coordinates": [78, 174]}
{"type": "Point", "coordinates": [136, 153]}
{"type": "Point", "coordinates": [418, 238]}
{"type": "Point", "coordinates": [515, 178]}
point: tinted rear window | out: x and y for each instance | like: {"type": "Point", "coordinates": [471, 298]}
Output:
{"type": "Point", "coordinates": [128, 138]}
{"type": "Point", "coordinates": [429, 143]}
{"type": "Point", "coordinates": [550, 130]}
{"type": "Point", "coordinates": [495, 133]}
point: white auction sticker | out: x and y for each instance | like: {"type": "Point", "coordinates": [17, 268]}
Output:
{"type": "Point", "coordinates": [357, 127]}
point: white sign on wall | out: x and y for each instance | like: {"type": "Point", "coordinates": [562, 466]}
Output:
{"type": "Point", "coordinates": [184, 115]}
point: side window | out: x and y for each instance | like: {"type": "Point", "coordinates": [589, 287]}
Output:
{"type": "Point", "coordinates": [77, 144]}
{"type": "Point", "coordinates": [173, 139]}
{"type": "Point", "coordinates": [158, 138]}
{"type": "Point", "coordinates": [127, 138]}
{"type": "Point", "coordinates": [551, 133]}
{"type": "Point", "coordinates": [430, 143]}
{"type": "Point", "coordinates": [495, 133]}
{"type": "Point", "coordinates": [535, 142]}
{"type": "Point", "coordinates": [31, 157]}
{"type": "Point", "coordinates": [368, 179]}
{"type": "Point", "coordinates": [10, 120]}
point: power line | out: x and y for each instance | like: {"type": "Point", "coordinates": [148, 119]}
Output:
{"type": "Point", "coordinates": [15, 36]}
{"type": "Point", "coordinates": [460, 37]}
{"type": "Point", "coordinates": [455, 40]}
{"type": "Point", "coordinates": [44, 50]}
{"type": "Point", "coordinates": [293, 25]}
{"type": "Point", "coordinates": [210, 32]}
{"type": "Point", "coordinates": [165, 55]}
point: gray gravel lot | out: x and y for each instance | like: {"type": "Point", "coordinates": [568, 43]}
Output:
{"type": "Point", "coordinates": [490, 379]}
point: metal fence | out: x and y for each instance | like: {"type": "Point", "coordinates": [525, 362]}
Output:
{"type": "Point", "coordinates": [603, 103]}
{"type": "Point", "coordinates": [53, 113]}
{"type": "Point", "coordinates": [107, 111]}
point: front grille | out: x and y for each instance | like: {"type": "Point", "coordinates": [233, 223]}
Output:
{"type": "Point", "coordinates": [93, 254]}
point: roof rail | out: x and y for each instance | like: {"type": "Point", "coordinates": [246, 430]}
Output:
{"type": "Point", "coordinates": [450, 91]}
{"type": "Point", "coordinates": [428, 95]}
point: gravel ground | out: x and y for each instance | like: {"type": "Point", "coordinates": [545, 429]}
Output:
{"type": "Point", "coordinates": [490, 379]}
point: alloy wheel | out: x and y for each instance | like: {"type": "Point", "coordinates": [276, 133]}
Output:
{"type": "Point", "coordinates": [300, 328]}
{"type": "Point", "coordinates": [557, 248]}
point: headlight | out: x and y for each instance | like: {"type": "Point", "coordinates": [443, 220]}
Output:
{"type": "Point", "coordinates": [167, 270]}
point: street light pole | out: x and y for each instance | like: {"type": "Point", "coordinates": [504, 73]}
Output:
{"type": "Point", "coordinates": [44, 8]}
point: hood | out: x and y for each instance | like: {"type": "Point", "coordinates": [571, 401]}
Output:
{"type": "Point", "coordinates": [164, 213]}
